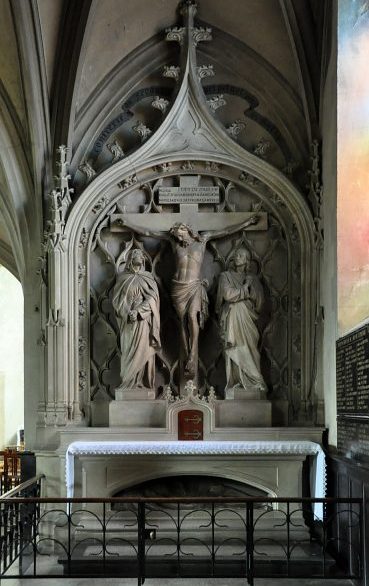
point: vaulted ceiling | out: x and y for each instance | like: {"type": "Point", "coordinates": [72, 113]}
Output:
{"type": "Point", "coordinates": [78, 72]}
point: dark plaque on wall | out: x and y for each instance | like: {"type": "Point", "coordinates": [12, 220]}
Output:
{"type": "Point", "coordinates": [353, 373]}
{"type": "Point", "coordinates": [353, 438]}
{"type": "Point", "coordinates": [353, 394]}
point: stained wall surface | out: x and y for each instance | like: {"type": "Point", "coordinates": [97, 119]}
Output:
{"type": "Point", "coordinates": [353, 168]}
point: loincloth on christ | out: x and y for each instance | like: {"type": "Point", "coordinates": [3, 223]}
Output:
{"type": "Point", "coordinates": [190, 296]}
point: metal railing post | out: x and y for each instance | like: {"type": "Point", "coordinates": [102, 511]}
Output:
{"type": "Point", "coordinates": [250, 542]}
{"type": "Point", "coordinates": [212, 540]}
{"type": "Point", "coordinates": [141, 544]}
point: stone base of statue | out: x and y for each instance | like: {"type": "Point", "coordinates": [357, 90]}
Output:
{"type": "Point", "coordinates": [137, 408]}
{"type": "Point", "coordinates": [135, 394]}
{"type": "Point", "coordinates": [243, 413]}
{"type": "Point", "coordinates": [242, 394]}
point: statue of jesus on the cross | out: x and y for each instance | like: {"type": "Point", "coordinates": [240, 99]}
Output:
{"type": "Point", "coordinates": [189, 230]}
{"type": "Point", "coordinates": [189, 294]}
{"type": "Point", "coordinates": [188, 289]}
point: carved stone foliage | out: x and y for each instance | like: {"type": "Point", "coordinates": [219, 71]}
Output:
{"type": "Point", "coordinates": [172, 71]}
{"type": "Point", "coordinates": [262, 148]}
{"type": "Point", "coordinates": [160, 104]}
{"type": "Point", "coordinates": [88, 170]}
{"type": "Point", "coordinates": [116, 150]}
{"type": "Point", "coordinates": [216, 102]}
{"type": "Point", "coordinates": [236, 128]}
{"type": "Point", "coordinates": [279, 325]}
{"type": "Point", "coordinates": [205, 71]}
{"type": "Point", "coordinates": [143, 131]}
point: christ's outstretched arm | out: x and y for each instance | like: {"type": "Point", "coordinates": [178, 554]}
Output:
{"type": "Point", "coordinates": [231, 229]}
{"type": "Point", "coordinates": [143, 231]}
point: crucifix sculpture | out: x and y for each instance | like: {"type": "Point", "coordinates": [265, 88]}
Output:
{"type": "Point", "coordinates": [188, 231]}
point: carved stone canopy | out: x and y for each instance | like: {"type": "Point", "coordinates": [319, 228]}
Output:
{"type": "Point", "coordinates": [190, 143]}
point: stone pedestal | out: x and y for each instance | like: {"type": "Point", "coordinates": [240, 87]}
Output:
{"type": "Point", "coordinates": [135, 395]}
{"type": "Point", "coordinates": [243, 413]}
{"type": "Point", "coordinates": [243, 395]}
{"type": "Point", "coordinates": [137, 412]}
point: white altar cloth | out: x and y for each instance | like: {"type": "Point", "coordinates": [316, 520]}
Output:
{"type": "Point", "coordinates": [195, 448]}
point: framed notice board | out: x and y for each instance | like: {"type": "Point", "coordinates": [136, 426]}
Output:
{"type": "Point", "coordinates": [353, 394]}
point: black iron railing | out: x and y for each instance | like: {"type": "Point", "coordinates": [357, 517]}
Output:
{"type": "Point", "coordinates": [18, 523]}
{"type": "Point", "coordinates": [177, 537]}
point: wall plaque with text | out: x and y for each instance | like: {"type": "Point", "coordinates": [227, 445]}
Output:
{"type": "Point", "coordinates": [353, 373]}
{"type": "Point", "coordinates": [353, 394]}
{"type": "Point", "coordinates": [189, 194]}
{"type": "Point", "coordinates": [353, 439]}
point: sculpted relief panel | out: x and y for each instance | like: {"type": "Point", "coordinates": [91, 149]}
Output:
{"type": "Point", "coordinates": [190, 279]}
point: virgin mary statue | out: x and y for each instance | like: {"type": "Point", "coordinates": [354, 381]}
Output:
{"type": "Point", "coordinates": [136, 304]}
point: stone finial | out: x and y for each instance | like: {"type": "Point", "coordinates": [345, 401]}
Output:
{"type": "Point", "coordinates": [168, 394]}
{"type": "Point", "coordinates": [190, 389]}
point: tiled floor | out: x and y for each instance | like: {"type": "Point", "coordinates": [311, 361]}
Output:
{"type": "Point", "coordinates": [175, 582]}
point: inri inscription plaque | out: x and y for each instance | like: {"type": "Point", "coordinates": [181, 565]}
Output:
{"type": "Point", "coordinates": [353, 373]}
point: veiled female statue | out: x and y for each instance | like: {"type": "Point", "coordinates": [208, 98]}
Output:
{"type": "Point", "coordinates": [239, 300]}
{"type": "Point", "coordinates": [136, 304]}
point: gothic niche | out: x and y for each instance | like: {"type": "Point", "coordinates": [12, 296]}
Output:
{"type": "Point", "coordinates": [228, 215]}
